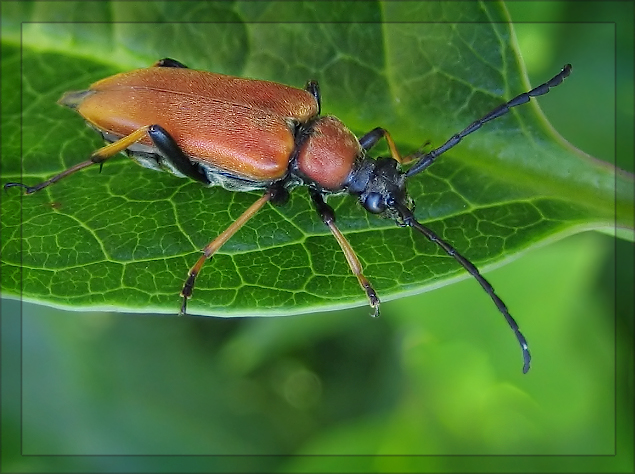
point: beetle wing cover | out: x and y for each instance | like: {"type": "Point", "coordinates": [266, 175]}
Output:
{"type": "Point", "coordinates": [276, 98]}
{"type": "Point", "coordinates": [240, 125]}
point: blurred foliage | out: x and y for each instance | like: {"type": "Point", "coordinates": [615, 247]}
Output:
{"type": "Point", "coordinates": [438, 374]}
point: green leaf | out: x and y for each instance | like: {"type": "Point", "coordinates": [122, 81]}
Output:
{"type": "Point", "coordinates": [124, 238]}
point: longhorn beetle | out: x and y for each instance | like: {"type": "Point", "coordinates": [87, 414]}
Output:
{"type": "Point", "coordinates": [245, 134]}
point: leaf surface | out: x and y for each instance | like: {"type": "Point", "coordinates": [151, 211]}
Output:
{"type": "Point", "coordinates": [124, 238]}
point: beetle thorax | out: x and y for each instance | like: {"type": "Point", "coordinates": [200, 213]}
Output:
{"type": "Point", "coordinates": [326, 154]}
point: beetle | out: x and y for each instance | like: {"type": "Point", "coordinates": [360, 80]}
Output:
{"type": "Point", "coordinates": [245, 134]}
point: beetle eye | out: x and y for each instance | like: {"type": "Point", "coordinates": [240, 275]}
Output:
{"type": "Point", "coordinates": [374, 203]}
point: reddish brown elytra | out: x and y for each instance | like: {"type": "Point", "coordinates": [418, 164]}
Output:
{"type": "Point", "coordinates": [245, 134]}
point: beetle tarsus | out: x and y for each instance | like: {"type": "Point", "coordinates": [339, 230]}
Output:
{"type": "Point", "coordinates": [186, 292]}
{"type": "Point", "coordinates": [373, 299]}
{"type": "Point", "coordinates": [188, 286]}
{"type": "Point", "coordinates": [29, 189]}
{"type": "Point", "coordinates": [183, 311]}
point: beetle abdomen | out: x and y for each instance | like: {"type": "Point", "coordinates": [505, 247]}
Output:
{"type": "Point", "coordinates": [214, 176]}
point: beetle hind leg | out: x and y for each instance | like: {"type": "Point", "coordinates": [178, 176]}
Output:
{"type": "Point", "coordinates": [98, 157]}
{"type": "Point", "coordinates": [327, 214]}
{"type": "Point", "coordinates": [166, 145]}
{"type": "Point", "coordinates": [171, 151]}
{"type": "Point", "coordinates": [218, 242]}
{"type": "Point", "coordinates": [54, 179]}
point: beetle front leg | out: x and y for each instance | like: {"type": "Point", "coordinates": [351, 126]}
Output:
{"type": "Point", "coordinates": [218, 242]}
{"type": "Point", "coordinates": [327, 214]}
{"type": "Point", "coordinates": [370, 139]}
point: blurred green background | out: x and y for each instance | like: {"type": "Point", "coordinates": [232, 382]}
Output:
{"type": "Point", "coordinates": [438, 374]}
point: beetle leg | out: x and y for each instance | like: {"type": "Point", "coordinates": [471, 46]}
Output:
{"type": "Point", "coordinates": [172, 152]}
{"type": "Point", "coordinates": [327, 214]}
{"type": "Point", "coordinates": [115, 147]}
{"type": "Point", "coordinates": [314, 89]}
{"type": "Point", "coordinates": [371, 138]}
{"type": "Point", "coordinates": [98, 156]}
{"type": "Point", "coordinates": [161, 139]}
{"type": "Point", "coordinates": [169, 62]}
{"type": "Point", "coordinates": [217, 243]}
{"type": "Point", "coordinates": [54, 179]}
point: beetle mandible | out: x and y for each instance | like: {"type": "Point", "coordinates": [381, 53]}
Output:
{"type": "Point", "coordinates": [245, 134]}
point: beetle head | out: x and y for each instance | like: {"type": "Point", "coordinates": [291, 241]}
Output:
{"type": "Point", "coordinates": [380, 186]}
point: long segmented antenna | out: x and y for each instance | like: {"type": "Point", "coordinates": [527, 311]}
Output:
{"type": "Point", "coordinates": [409, 220]}
{"type": "Point", "coordinates": [427, 159]}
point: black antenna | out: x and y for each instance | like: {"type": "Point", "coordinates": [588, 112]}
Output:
{"type": "Point", "coordinates": [409, 220]}
{"type": "Point", "coordinates": [427, 159]}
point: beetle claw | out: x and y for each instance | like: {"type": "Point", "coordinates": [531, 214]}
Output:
{"type": "Point", "coordinates": [183, 311]}
{"type": "Point", "coordinates": [375, 305]}
{"type": "Point", "coordinates": [374, 301]}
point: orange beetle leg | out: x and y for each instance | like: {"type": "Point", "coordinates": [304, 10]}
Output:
{"type": "Point", "coordinates": [113, 148]}
{"type": "Point", "coordinates": [217, 243]}
{"type": "Point", "coordinates": [328, 217]}
{"type": "Point", "coordinates": [371, 138]}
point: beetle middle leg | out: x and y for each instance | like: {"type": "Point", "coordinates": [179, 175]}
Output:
{"type": "Point", "coordinates": [218, 242]}
{"type": "Point", "coordinates": [327, 214]}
